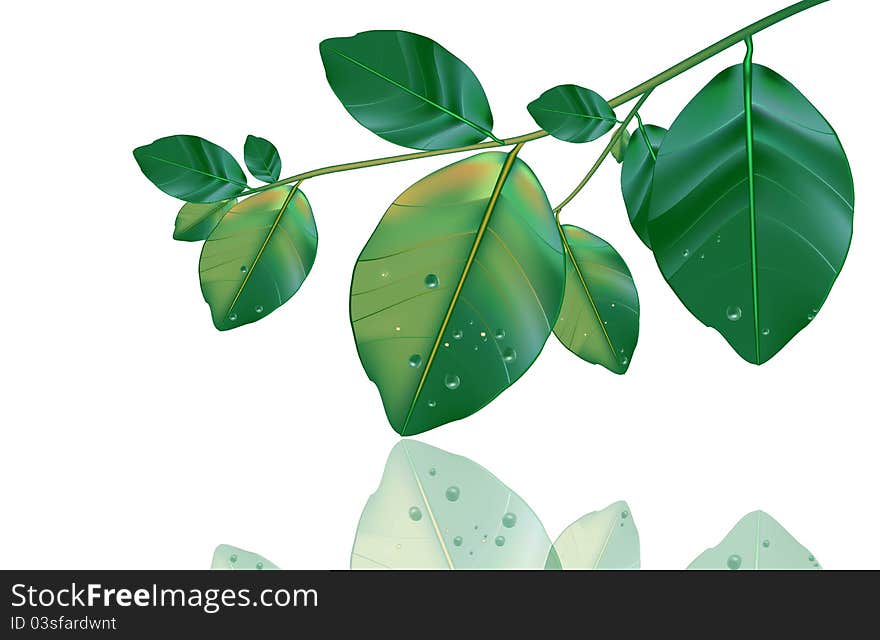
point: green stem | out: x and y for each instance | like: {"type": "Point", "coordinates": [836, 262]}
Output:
{"type": "Point", "coordinates": [605, 152]}
{"type": "Point", "coordinates": [646, 138]}
{"type": "Point", "coordinates": [623, 98]}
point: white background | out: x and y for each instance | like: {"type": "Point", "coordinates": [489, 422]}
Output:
{"type": "Point", "coordinates": [135, 435]}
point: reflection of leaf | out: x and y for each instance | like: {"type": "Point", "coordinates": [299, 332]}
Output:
{"type": "Point", "coordinates": [455, 293]}
{"type": "Point", "coordinates": [435, 510]}
{"type": "Point", "coordinates": [606, 539]}
{"type": "Point", "coordinates": [757, 542]}
{"type": "Point", "coordinates": [571, 113]}
{"type": "Point", "coordinates": [197, 221]}
{"type": "Point", "coordinates": [258, 256]}
{"type": "Point", "coordinates": [227, 557]}
{"type": "Point", "coordinates": [407, 89]}
{"type": "Point", "coordinates": [599, 318]}
{"type": "Point", "coordinates": [751, 212]}
{"type": "Point", "coordinates": [637, 176]}
{"type": "Point", "coordinates": [262, 159]}
{"type": "Point", "coordinates": [191, 168]}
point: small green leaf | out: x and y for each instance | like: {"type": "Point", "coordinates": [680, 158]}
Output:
{"type": "Point", "coordinates": [197, 221]}
{"type": "Point", "coordinates": [599, 318]}
{"type": "Point", "coordinates": [751, 212]}
{"type": "Point", "coordinates": [262, 159]}
{"type": "Point", "coordinates": [757, 542]}
{"type": "Point", "coordinates": [407, 89]}
{"type": "Point", "coordinates": [191, 168]}
{"type": "Point", "coordinates": [258, 256]}
{"type": "Point", "coordinates": [436, 510]}
{"type": "Point", "coordinates": [606, 539]}
{"type": "Point", "coordinates": [620, 146]}
{"type": "Point", "coordinates": [456, 292]}
{"type": "Point", "coordinates": [574, 114]}
{"type": "Point", "coordinates": [637, 177]}
{"type": "Point", "coordinates": [228, 557]}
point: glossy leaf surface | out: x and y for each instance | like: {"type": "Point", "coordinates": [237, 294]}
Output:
{"type": "Point", "coordinates": [197, 221]}
{"type": "Point", "coordinates": [455, 293]}
{"type": "Point", "coordinates": [229, 557]}
{"type": "Point", "coordinates": [191, 168]}
{"type": "Point", "coordinates": [637, 177]}
{"type": "Point", "coordinates": [258, 256]}
{"type": "Point", "coordinates": [436, 510]}
{"type": "Point", "coordinates": [599, 318]}
{"type": "Point", "coordinates": [751, 213]}
{"type": "Point", "coordinates": [606, 539]}
{"type": "Point", "coordinates": [757, 542]}
{"type": "Point", "coordinates": [407, 89]}
{"type": "Point", "coordinates": [262, 159]}
{"type": "Point", "coordinates": [572, 113]}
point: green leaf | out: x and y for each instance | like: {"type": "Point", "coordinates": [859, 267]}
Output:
{"type": "Point", "coordinates": [191, 168]}
{"type": "Point", "coordinates": [606, 539]}
{"type": "Point", "coordinates": [407, 89]}
{"type": "Point", "coordinates": [620, 146]}
{"type": "Point", "coordinates": [751, 213]}
{"type": "Point", "coordinates": [436, 510]}
{"type": "Point", "coordinates": [455, 293]}
{"type": "Point", "coordinates": [637, 177]}
{"type": "Point", "coordinates": [757, 542]}
{"type": "Point", "coordinates": [258, 256]}
{"type": "Point", "coordinates": [574, 114]}
{"type": "Point", "coordinates": [599, 318]}
{"type": "Point", "coordinates": [228, 557]}
{"type": "Point", "coordinates": [197, 221]}
{"type": "Point", "coordinates": [262, 159]}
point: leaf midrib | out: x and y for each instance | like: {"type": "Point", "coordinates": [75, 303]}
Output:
{"type": "Point", "coordinates": [194, 170]}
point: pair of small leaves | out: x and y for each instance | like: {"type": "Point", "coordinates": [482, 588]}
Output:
{"type": "Point", "coordinates": [258, 250]}
{"type": "Point", "coordinates": [460, 285]}
{"type": "Point", "coordinates": [748, 207]}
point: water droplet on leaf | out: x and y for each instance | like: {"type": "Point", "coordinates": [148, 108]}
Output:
{"type": "Point", "coordinates": [432, 281]}
{"type": "Point", "coordinates": [458, 334]}
{"type": "Point", "coordinates": [457, 541]}
{"type": "Point", "coordinates": [452, 381]}
{"type": "Point", "coordinates": [509, 354]}
{"type": "Point", "coordinates": [415, 361]}
{"type": "Point", "coordinates": [499, 334]}
{"type": "Point", "coordinates": [734, 314]}
{"type": "Point", "coordinates": [415, 514]}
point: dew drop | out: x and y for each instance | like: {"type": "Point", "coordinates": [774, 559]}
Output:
{"type": "Point", "coordinates": [415, 514]}
{"type": "Point", "coordinates": [499, 541]}
{"type": "Point", "coordinates": [233, 317]}
{"type": "Point", "coordinates": [766, 544]}
{"type": "Point", "coordinates": [686, 253]}
{"type": "Point", "coordinates": [624, 514]}
{"type": "Point", "coordinates": [734, 314]}
{"type": "Point", "coordinates": [624, 361]}
{"type": "Point", "coordinates": [457, 541]}
{"type": "Point", "coordinates": [432, 403]}
{"type": "Point", "coordinates": [734, 562]}
{"type": "Point", "coordinates": [471, 322]}
{"type": "Point", "coordinates": [509, 520]}
{"type": "Point", "coordinates": [397, 328]}
{"type": "Point", "coordinates": [243, 268]}
{"type": "Point", "coordinates": [452, 381]}
{"type": "Point", "coordinates": [499, 334]}
{"type": "Point", "coordinates": [765, 332]}
{"type": "Point", "coordinates": [446, 344]}
{"type": "Point", "coordinates": [259, 565]}
{"type": "Point", "coordinates": [509, 354]}
{"type": "Point", "coordinates": [476, 348]}
{"type": "Point", "coordinates": [483, 336]}
{"type": "Point", "coordinates": [458, 334]}
{"type": "Point", "coordinates": [259, 308]}
{"type": "Point", "coordinates": [415, 361]}
{"type": "Point", "coordinates": [233, 558]}
{"type": "Point", "coordinates": [702, 256]}
{"type": "Point", "coordinates": [810, 317]}
{"type": "Point", "coordinates": [384, 274]}
{"type": "Point", "coordinates": [452, 493]}
{"type": "Point", "coordinates": [432, 471]}
{"type": "Point", "coordinates": [718, 239]}
{"type": "Point", "coordinates": [432, 281]}
{"type": "Point", "coordinates": [812, 558]}
{"type": "Point", "coordinates": [613, 305]}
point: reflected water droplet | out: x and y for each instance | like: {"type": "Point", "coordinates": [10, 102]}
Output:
{"type": "Point", "coordinates": [452, 493]}
{"type": "Point", "coordinates": [415, 361]}
{"type": "Point", "coordinates": [452, 381]}
{"type": "Point", "coordinates": [259, 565]}
{"type": "Point", "coordinates": [499, 541]}
{"type": "Point", "coordinates": [509, 520]}
{"type": "Point", "coordinates": [734, 314]}
{"type": "Point", "coordinates": [432, 471]}
{"type": "Point", "coordinates": [432, 281]}
{"type": "Point", "coordinates": [766, 544]}
{"type": "Point", "coordinates": [415, 514]}
{"type": "Point", "coordinates": [734, 562]}
{"type": "Point", "coordinates": [457, 541]}
{"type": "Point", "coordinates": [233, 558]}
{"type": "Point", "coordinates": [624, 514]}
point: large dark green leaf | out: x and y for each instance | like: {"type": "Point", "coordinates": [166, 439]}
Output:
{"type": "Point", "coordinates": [196, 221]}
{"type": "Point", "coordinates": [637, 176]}
{"type": "Point", "coordinates": [258, 256]}
{"type": "Point", "coordinates": [599, 318]}
{"type": "Point", "coordinates": [191, 168]}
{"type": "Point", "coordinates": [407, 89]}
{"type": "Point", "coordinates": [572, 113]}
{"type": "Point", "coordinates": [262, 159]}
{"type": "Point", "coordinates": [455, 294]}
{"type": "Point", "coordinates": [751, 213]}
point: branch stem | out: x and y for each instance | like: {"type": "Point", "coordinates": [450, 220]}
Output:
{"type": "Point", "coordinates": [641, 90]}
